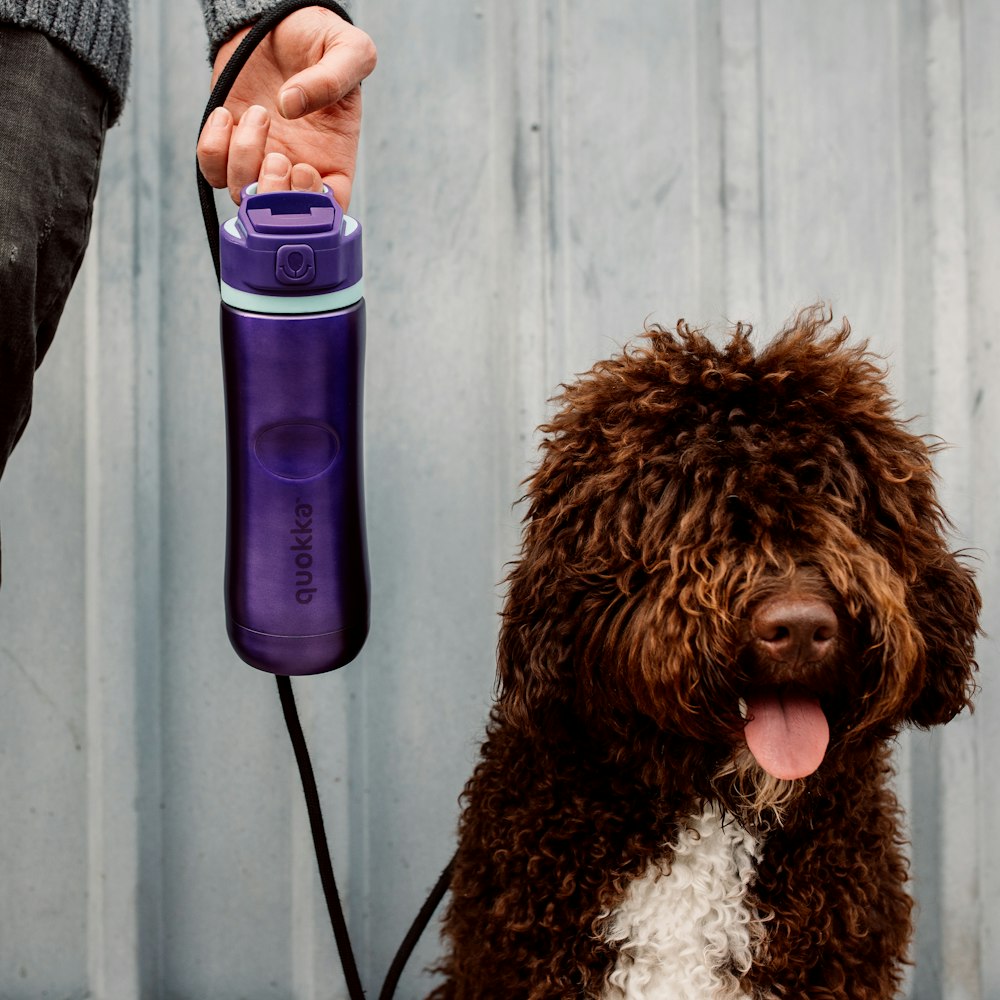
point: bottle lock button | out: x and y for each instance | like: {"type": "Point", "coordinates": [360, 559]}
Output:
{"type": "Point", "coordinates": [295, 264]}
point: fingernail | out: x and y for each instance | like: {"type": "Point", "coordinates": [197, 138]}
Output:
{"type": "Point", "coordinates": [293, 102]}
{"type": "Point", "coordinates": [219, 118]}
{"type": "Point", "coordinates": [275, 166]}
{"type": "Point", "coordinates": [255, 115]}
{"type": "Point", "coordinates": [304, 179]}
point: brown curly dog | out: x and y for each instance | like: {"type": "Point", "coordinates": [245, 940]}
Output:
{"type": "Point", "coordinates": [734, 590]}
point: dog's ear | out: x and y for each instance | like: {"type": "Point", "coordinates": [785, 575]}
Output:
{"type": "Point", "coordinates": [533, 694]}
{"type": "Point", "coordinates": [946, 605]}
{"type": "Point", "coordinates": [534, 652]}
{"type": "Point", "coordinates": [907, 524]}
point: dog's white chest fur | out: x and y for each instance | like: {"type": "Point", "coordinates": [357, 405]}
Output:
{"type": "Point", "coordinates": [684, 929]}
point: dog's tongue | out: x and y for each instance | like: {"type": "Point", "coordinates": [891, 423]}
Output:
{"type": "Point", "coordinates": [786, 733]}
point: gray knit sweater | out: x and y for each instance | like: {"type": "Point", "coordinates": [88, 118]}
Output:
{"type": "Point", "coordinates": [97, 31]}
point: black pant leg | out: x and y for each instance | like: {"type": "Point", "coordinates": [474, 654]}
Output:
{"type": "Point", "coordinates": [53, 117]}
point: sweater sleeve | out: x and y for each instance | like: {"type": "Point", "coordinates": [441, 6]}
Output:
{"type": "Point", "coordinates": [223, 18]}
{"type": "Point", "coordinates": [95, 31]}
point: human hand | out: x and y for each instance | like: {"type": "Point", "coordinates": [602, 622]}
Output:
{"type": "Point", "coordinates": [293, 117]}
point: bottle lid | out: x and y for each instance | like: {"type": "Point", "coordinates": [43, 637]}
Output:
{"type": "Point", "coordinates": [290, 251]}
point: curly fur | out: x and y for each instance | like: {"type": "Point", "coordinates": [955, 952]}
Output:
{"type": "Point", "coordinates": [703, 889]}
{"type": "Point", "coordinates": [681, 486]}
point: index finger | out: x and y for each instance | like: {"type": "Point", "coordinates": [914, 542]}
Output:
{"type": "Point", "coordinates": [213, 147]}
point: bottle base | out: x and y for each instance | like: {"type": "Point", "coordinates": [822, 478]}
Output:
{"type": "Point", "coordinates": [296, 655]}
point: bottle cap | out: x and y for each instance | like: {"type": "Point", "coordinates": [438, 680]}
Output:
{"type": "Point", "coordinates": [296, 247]}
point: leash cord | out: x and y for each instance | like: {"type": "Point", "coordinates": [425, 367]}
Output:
{"type": "Point", "coordinates": [318, 830]}
{"type": "Point", "coordinates": [317, 827]}
{"type": "Point", "coordinates": [327, 880]}
{"type": "Point", "coordinates": [416, 930]}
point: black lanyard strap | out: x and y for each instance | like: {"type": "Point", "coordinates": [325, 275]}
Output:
{"type": "Point", "coordinates": [354, 988]}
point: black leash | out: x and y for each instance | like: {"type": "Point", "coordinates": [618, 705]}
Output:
{"type": "Point", "coordinates": [327, 880]}
{"type": "Point", "coordinates": [354, 988]}
{"type": "Point", "coordinates": [416, 930]}
{"type": "Point", "coordinates": [317, 827]}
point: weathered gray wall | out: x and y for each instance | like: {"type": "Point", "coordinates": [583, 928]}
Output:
{"type": "Point", "coordinates": [538, 178]}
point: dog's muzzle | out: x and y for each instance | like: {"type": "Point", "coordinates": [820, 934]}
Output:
{"type": "Point", "coordinates": [786, 729]}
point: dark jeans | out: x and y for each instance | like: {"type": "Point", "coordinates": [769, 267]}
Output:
{"type": "Point", "coordinates": [53, 116]}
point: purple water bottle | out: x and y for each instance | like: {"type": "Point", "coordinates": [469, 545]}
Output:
{"type": "Point", "coordinates": [293, 338]}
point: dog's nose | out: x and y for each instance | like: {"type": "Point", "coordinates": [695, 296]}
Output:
{"type": "Point", "coordinates": [795, 629]}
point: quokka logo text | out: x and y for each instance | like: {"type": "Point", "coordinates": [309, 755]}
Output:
{"type": "Point", "coordinates": [302, 534]}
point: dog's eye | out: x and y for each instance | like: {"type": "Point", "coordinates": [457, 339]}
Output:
{"type": "Point", "coordinates": [739, 520]}
{"type": "Point", "coordinates": [809, 475]}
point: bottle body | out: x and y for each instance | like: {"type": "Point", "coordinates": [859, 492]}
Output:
{"type": "Point", "coordinates": [297, 585]}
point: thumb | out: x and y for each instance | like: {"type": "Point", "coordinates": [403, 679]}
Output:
{"type": "Point", "coordinates": [343, 66]}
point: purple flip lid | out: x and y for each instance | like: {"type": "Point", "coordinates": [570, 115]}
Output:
{"type": "Point", "coordinates": [290, 243]}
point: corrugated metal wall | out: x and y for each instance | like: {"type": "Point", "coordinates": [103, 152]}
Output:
{"type": "Point", "coordinates": [538, 179]}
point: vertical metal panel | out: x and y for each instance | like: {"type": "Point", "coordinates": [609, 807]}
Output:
{"type": "Point", "coordinates": [956, 882]}
{"type": "Point", "coordinates": [980, 26]}
{"type": "Point", "coordinates": [628, 186]}
{"type": "Point", "coordinates": [740, 70]}
{"type": "Point", "coordinates": [537, 180]}
{"type": "Point", "coordinates": [829, 98]}
{"type": "Point", "coordinates": [438, 300]}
